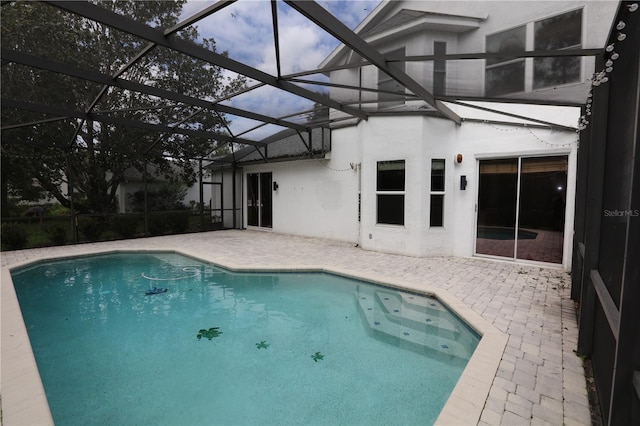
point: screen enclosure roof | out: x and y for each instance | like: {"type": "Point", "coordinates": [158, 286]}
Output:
{"type": "Point", "coordinates": [286, 85]}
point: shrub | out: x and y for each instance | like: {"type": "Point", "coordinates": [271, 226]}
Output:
{"type": "Point", "coordinates": [178, 222]}
{"type": "Point", "coordinates": [14, 236]}
{"type": "Point", "coordinates": [58, 210]}
{"type": "Point", "coordinates": [126, 225]}
{"type": "Point", "coordinates": [91, 228]}
{"type": "Point", "coordinates": [158, 224]}
{"type": "Point", "coordinates": [57, 234]}
{"type": "Point", "coordinates": [164, 197]}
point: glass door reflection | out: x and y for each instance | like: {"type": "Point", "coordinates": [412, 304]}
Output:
{"type": "Point", "coordinates": [543, 194]}
{"type": "Point", "coordinates": [521, 208]}
{"type": "Point", "coordinates": [497, 195]}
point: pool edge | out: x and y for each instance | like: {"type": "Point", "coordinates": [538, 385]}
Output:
{"type": "Point", "coordinates": [26, 403]}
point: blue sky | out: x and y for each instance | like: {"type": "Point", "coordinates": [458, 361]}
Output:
{"type": "Point", "coordinates": [244, 30]}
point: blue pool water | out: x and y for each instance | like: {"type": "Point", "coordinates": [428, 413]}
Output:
{"type": "Point", "coordinates": [230, 348]}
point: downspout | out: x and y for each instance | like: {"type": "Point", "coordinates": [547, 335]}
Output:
{"type": "Point", "coordinates": [358, 167]}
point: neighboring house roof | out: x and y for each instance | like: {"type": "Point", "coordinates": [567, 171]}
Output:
{"type": "Point", "coordinates": [286, 145]}
{"type": "Point", "coordinates": [134, 175]}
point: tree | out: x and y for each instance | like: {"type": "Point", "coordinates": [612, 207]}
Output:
{"type": "Point", "coordinates": [89, 155]}
{"type": "Point", "coordinates": [319, 113]}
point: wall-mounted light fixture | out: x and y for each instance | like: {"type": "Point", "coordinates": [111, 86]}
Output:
{"type": "Point", "coordinates": [458, 158]}
{"type": "Point", "coordinates": [463, 182]}
{"type": "Point", "coordinates": [275, 186]}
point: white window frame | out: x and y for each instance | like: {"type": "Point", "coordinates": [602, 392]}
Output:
{"type": "Point", "coordinates": [529, 46]}
{"type": "Point", "coordinates": [436, 192]}
{"type": "Point", "coordinates": [403, 193]}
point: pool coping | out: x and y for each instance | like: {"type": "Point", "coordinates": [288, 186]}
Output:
{"type": "Point", "coordinates": [24, 400]}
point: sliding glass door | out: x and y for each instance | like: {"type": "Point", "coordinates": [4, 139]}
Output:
{"type": "Point", "coordinates": [543, 194]}
{"type": "Point", "coordinates": [497, 199]}
{"type": "Point", "coordinates": [259, 200]}
{"type": "Point", "coordinates": [521, 204]}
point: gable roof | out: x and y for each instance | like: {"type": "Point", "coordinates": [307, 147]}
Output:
{"type": "Point", "coordinates": [385, 22]}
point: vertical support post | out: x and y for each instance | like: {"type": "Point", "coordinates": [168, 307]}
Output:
{"type": "Point", "coordinates": [593, 214]}
{"type": "Point", "coordinates": [626, 112]}
{"type": "Point", "coordinates": [242, 206]}
{"type": "Point", "coordinates": [579, 220]}
{"type": "Point", "coordinates": [222, 195]}
{"type": "Point", "coordinates": [146, 206]}
{"type": "Point", "coordinates": [201, 203]}
{"type": "Point", "coordinates": [74, 227]}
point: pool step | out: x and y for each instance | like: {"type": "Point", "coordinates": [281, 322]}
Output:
{"type": "Point", "coordinates": [416, 322]}
{"type": "Point", "coordinates": [419, 313]}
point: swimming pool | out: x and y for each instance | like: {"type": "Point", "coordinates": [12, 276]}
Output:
{"type": "Point", "coordinates": [279, 352]}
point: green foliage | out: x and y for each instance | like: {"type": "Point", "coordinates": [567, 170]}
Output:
{"type": "Point", "coordinates": [157, 224]}
{"type": "Point", "coordinates": [164, 197]}
{"type": "Point", "coordinates": [39, 159]}
{"type": "Point", "coordinates": [9, 207]}
{"type": "Point", "coordinates": [125, 225]}
{"type": "Point", "coordinates": [13, 235]}
{"type": "Point", "coordinates": [58, 210]}
{"type": "Point", "coordinates": [91, 227]}
{"type": "Point", "coordinates": [57, 234]}
{"type": "Point", "coordinates": [178, 222]}
{"type": "Point", "coordinates": [169, 222]}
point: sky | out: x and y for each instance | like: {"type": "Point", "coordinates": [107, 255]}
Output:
{"type": "Point", "coordinates": [244, 30]}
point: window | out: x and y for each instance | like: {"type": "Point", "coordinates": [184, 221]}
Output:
{"type": "Point", "coordinates": [505, 75]}
{"type": "Point", "coordinates": [390, 192]}
{"type": "Point", "coordinates": [437, 192]}
{"type": "Point", "coordinates": [439, 68]}
{"type": "Point", "coordinates": [559, 32]}
{"type": "Point", "coordinates": [391, 92]}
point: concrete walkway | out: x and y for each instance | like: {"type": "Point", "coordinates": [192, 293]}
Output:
{"type": "Point", "coordinates": [539, 381]}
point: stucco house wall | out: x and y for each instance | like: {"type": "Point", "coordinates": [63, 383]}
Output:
{"type": "Point", "coordinates": [464, 26]}
{"type": "Point", "coordinates": [335, 197]}
{"type": "Point", "coordinates": [319, 198]}
{"type": "Point", "coordinates": [316, 197]}
{"type": "Point", "coordinates": [418, 140]}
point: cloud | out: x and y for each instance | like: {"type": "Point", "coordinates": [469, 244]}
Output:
{"type": "Point", "coordinates": [245, 30]}
{"type": "Point", "coordinates": [350, 13]}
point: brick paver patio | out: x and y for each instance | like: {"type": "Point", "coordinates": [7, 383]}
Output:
{"type": "Point", "coordinates": [540, 380]}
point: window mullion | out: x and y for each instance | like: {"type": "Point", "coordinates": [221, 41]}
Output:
{"type": "Point", "coordinates": [528, 62]}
